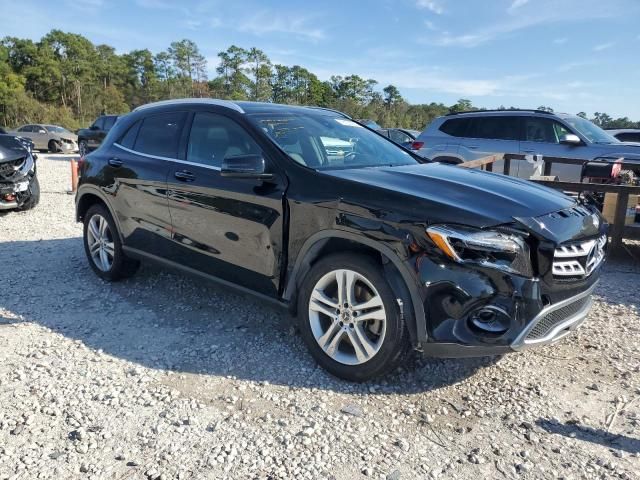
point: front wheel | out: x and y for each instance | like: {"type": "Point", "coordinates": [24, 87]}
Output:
{"type": "Point", "coordinates": [350, 319]}
{"type": "Point", "coordinates": [34, 194]}
{"type": "Point", "coordinates": [103, 247]}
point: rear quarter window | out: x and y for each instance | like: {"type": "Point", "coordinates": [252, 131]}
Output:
{"type": "Point", "coordinates": [159, 134]}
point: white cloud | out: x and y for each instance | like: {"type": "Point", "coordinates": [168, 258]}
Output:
{"type": "Point", "coordinates": [431, 5]}
{"type": "Point", "coordinates": [545, 14]}
{"type": "Point", "coordinates": [516, 4]}
{"type": "Point", "coordinates": [267, 22]}
{"type": "Point", "coordinates": [603, 46]}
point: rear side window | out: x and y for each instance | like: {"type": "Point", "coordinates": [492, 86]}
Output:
{"type": "Point", "coordinates": [628, 137]}
{"type": "Point", "coordinates": [109, 122]}
{"type": "Point", "coordinates": [214, 137]}
{"type": "Point", "coordinates": [495, 128]}
{"type": "Point", "coordinates": [399, 137]}
{"type": "Point", "coordinates": [160, 134]}
{"type": "Point", "coordinates": [99, 123]}
{"type": "Point", "coordinates": [128, 140]}
{"type": "Point", "coordinates": [456, 127]}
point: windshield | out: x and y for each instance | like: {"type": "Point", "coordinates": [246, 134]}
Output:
{"type": "Point", "coordinates": [56, 129]}
{"type": "Point", "coordinates": [591, 131]}
{"type": "Point", "coordinates": [326, 142]}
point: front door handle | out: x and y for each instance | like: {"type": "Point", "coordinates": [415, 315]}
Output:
{"type": "Point", "coordinates": [529, 151]}
{"type": "Point", "coordinates": [472, 147]}
{"type": "Point", "coordinates": [184, 175]}
{"type": "Point", "coordinates": [115, 162]}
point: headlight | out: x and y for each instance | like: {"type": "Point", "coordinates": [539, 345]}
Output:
{"type": "Point", "coordinates": [489, 248]}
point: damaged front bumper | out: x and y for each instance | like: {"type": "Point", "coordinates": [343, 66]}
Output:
{"type": "Point", "coordinates": [15, 181]}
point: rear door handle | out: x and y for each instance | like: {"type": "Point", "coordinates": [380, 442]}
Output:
{"type": "Point", "coordinates": [472, 147]}
{"type": "Point", "coordinates": [529, 151]}
{"type": "Point", "coordinates": [185, 176]}
{"type": "Point", "coordinates": [115, 162]}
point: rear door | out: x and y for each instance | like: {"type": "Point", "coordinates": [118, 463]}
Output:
{"type": "Point", "coordinates": [542, 139]}
{"type": "Point", "coordinates": [226, 227]}
{"type": "Point", "coordinates": [491, 135]}
{"type": "Point", "coordinates": [138, 164]}
{"type": "Point", "coordinates": [445, 140]}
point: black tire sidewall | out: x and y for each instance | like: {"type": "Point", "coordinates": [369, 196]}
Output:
{"type": "Point", "coordinates": [396, 341]}
{"type": "Point", "coordinates": [53, 146]}
{"type": "Point", "coordinates": [117, 270]}
{"type": "Point", "coordinates": [34, 194]}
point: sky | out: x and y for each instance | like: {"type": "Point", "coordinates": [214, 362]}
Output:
{"type": "Point", "coordinates": [571, 55]}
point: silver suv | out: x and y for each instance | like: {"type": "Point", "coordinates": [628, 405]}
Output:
{"type": "Point", "coordinates": [460, 137]}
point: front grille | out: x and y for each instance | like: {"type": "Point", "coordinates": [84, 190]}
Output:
{"type": "Point", "coordinates": [556, 317]}
{"type": "Point", "coordinates": [578, 259]}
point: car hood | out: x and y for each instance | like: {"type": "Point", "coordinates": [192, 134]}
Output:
{"type": "Point", "coordinates": [11, 149]}
{"type": "Point", "coordinates": [446, 193]}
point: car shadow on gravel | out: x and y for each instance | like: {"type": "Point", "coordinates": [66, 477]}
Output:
{"type": "Point", "coordinates": [590, 434]}
{"type": "Point", "coordinates": [166, 321]}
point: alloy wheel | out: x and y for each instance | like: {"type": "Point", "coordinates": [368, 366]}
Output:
{"type": "Point", "coordinates": [347, 317]}
{"type": "Point", "coordinates": [100, 242]}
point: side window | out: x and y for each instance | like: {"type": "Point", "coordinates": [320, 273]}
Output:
{"type": "Point", "coordinates": [399, 137]}
{"type": "Point", "coordinates": [214, 137]}
{"type": "Point", "coordinates": [160, 134]}
{"type": "Point", "coordinates": [99, 123]}
{"type": "Point", "coordinates": [456, 127]}
{"type": "Point", "coordinates": [26, 128]}
{"type": "Point", "coordinates": [537, 129]}
{"type": "Point", "coordinates": [628, 137]}
{"type": "Point", "coordinates": [108, 123]}
{"type": "Point", "coordinates": [560, 130]}
{"type": "Point", "coordinates": [128, 140]}
{"type": "Point", "coordinates": [495, 128]}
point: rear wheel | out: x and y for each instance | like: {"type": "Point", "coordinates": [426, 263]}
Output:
{"type": "Point", "coordinates": [54, 147]}
{"type": "Point", "coordinates": [103, 247]}
{"type": "Point", "coordinates": [350, 318]}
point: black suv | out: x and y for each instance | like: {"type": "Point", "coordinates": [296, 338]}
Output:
{"type": "Point", "coordinates": [376, 252]}
{"type": "Point", "coordinates": [91, 138]}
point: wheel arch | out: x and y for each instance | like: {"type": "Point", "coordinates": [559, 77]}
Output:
{"type": "Point", "coordinates": [396, 272]}
{"type": "Point", "coordinates": [90, 196]}
{"type": "Point", "coordinates": [450, 159]}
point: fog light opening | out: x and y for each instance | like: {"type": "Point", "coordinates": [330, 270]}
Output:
{"type": "Point", "coordinates": [490, 320]}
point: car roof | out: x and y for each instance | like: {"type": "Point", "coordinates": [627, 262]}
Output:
{"type": "Point", "coordinates": [518, 112]}
{"type": "Point", "coordinates": [244, 107]}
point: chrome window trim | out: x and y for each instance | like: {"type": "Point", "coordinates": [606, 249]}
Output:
{"type": "Point", "coordinates": [167, 159]}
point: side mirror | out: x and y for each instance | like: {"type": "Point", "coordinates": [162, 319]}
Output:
{"type": "Point", "coordinates": [94, 127]}
{"type": "Point", "coordinates": [42, 130]}
{"type": "Point", "coordinates": [570, 139]}
{"type": "Point", "coordinates": [245, 166]}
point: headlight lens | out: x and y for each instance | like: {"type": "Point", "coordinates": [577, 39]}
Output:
{"type": "Point", "coordinates": [489, 248]}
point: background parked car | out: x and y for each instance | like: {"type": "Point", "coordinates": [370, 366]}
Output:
{"type": "Point", "coordinates": [401, 136]}
{"type": "Point", "coordinates": [466, 136]}
{"type": "Point", "coordinates": [91, 138]}
{"type": "Point", "coordinates": [27, 142]}
{"type": "Point", "coordinates": [369, 123]}
{"type": "Point", "coordinates": [54, 138]}
{"type": "Point", "coordinates": [626, 134]}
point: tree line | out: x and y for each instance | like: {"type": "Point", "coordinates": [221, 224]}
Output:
{"type": "Point", "coordinates": [65, 79]}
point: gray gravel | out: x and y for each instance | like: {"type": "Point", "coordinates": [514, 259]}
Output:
{"type": "Point", "coordinates": [163, 376]}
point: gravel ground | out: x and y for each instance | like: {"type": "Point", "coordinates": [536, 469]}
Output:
{"type": "Point", "coordinates": [164, 376]}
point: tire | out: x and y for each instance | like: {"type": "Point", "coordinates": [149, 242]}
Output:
{"type": "Point", "coordinates": [83, 148]}
{"type": "Point", "coordinates": [54, 147]}
{"type": "Point", "coordinates": [117, 265]}
{"type": "Point", "coordinates": [34, 195]}
{"type": "Point", "coordinates": [323, 321]}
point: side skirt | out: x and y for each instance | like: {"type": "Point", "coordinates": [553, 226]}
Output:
{"type": "Point", "coordinates": [140, 255]}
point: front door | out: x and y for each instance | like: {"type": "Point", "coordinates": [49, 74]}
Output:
{"type": "Point", "coordinates": [226, 227]}
{"type": "Point", "coordinates": [542, 139]}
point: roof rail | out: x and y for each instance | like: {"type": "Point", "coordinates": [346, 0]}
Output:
{"type": "Point", "coordinates": [533, 110]}
{"type": "Point", "coordinates": [331, 110]}
{"type": "Point", "coordinates": [206, 101]}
